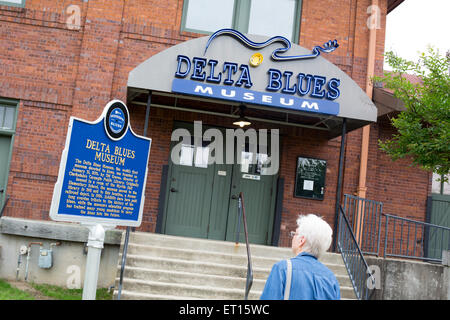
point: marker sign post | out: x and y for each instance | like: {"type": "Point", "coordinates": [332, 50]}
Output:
{"type": "Point", "coordinates": [101, 180]}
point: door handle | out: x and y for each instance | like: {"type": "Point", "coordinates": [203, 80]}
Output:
{"type": "Point", "coordinates": [234, 197]}
{"type": "Point", "coordinates": [173, 190]}
{"type": "Point", "coordinates": [1, 190]}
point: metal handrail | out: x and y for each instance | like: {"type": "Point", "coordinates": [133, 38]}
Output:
{"type": "Point", "coordinates": [415, 221]}
{"type": "Point", "coordinates": [404, 251]}
{"type": "Point", "coordinates": [124, 259]}
{"type": "Point", "coordinates": [354, 261]}
{"type": "Point", "coordinates": [241, 210]}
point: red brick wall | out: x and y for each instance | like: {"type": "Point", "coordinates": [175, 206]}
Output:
{"type": "Point", "coordinates": [400, 186]}
{"type": "Point", "coordinates": [56, 72]}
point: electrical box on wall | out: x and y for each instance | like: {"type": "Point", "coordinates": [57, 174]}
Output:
{"type": "Point", "coordinates": [45, 258]}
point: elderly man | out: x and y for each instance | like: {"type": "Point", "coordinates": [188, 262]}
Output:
{"type": "Point", "coordinates": [309, 279]}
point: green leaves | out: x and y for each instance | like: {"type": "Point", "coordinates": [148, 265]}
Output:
{"type": "Point", "coordinates": [423, 129]}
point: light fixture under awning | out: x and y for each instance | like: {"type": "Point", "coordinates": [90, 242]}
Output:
{"type": "Point", "coordinates": [242, 121]}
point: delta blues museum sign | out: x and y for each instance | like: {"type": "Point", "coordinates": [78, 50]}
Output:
{"type": "Point", "coordinates": [103, 171]}
{"type": "Point", "coordinates": [229, 80]}
{"type": "Point", "coordinates": [266, 73]}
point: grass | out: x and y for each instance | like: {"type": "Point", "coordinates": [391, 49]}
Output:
{"type": "Point", "coordinates": [7, 292]}
{"type": "Point", "coordinates": [60, 293]}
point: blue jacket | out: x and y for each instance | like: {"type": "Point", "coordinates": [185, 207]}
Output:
{"type": "Point", "coordinates": [311, 280]}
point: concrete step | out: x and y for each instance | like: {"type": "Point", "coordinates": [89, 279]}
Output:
{"type": "Point", "coordinates": [199, 255]}
{"type": "Point", "coordinates": [225, 247]}
{"type": "Point", "coordinates": [168, 241]}
{"type": "Point", "coordinates": [347, 293]}
{"type": "Point", "coordinates": [158, 263]}
{"type": "Point", "coordinates": [188, 278]}
{"type": "Point", "coordinates": [221, 269]}
{"type": "Point", "coordinates": [170, 267]}
{"type": "Point", "coordinates": [217, 256]}
{"type": "Point", "coordinates": [131, 295]}
{"type": "Point", "coordinates": [182, 277]}
{"type": "Point", "coordinates": [185, 290]}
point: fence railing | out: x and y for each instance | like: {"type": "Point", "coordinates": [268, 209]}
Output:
{"type": "Point", "coordinates": [388, 235]}
{"type": "Point", "coordinates": [407, 238]}
{"type": "Point", "coordinates": [360, 275]}
{"type": "Point", "coordinates": [364, 216]}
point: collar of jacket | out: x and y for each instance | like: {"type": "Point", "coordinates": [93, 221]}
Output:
{"type": "Point", "coordinates": [306, 254]}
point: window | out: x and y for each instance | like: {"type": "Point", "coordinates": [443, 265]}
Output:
{"type": "Point", "coordinates": [263, 17]}
{"type": "Point", "coordinates": [13, 3]}
{"type": "Point", "coordinates": [439, 186]}
{"type": "Point", "coordinates": [8, 115]}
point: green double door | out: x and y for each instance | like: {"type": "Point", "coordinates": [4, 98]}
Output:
{"type": "Point", "coordinates": [202, 197]}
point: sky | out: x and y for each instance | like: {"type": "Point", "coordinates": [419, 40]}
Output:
{"type": "Point", "coordinates": [414, 24]}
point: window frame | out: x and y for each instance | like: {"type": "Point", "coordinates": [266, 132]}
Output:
{"type": "Point", "coordinates": [9, 133]}
{"type": "Point", "coordinates": [241, 18]}
{"type": "Point", "coordinates": [11, 4]}
{"type": "Point", "coordinates": [15, 105]}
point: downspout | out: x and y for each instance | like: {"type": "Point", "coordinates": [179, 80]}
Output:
{"type": "Point", "coordinates": [362, 188]}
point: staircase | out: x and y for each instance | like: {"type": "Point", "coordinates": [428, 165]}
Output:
{"type": "Point", "coordinates": [178, 268]}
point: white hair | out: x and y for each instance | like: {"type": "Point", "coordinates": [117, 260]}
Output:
{"type": "Point", "coordinates": [317, 233]}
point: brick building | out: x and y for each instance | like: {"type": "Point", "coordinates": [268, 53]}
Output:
{"type": "Point", "coordinates": [70, 57]}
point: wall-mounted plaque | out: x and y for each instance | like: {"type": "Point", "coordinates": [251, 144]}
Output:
{"type": "Point", "coordinates": [310, 178]}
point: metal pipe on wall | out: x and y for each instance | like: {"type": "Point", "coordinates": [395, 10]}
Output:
{"type": "Point", "coordinates": [339, 184]}
{"type": "Point", "coordinates": [362, 187]}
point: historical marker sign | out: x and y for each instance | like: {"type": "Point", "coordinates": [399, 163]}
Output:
{"type": "Point", "coordinates": [103, 171]}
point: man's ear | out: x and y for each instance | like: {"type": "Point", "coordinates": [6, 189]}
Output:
{"type": "Point", "coordinates": [301, 241]}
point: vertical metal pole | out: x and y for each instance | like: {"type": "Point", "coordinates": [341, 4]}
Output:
{"type": "Point", "coordinates": [124, 257]}
{"type": "Point", "coordinates": [415, 239]}
{"type": "Point", "coordinates": [407, 243]}
{"type": "Point", "coordinates": [127, 233]}
{"type": "Point", "coordinates": [386, 236]}
{"type": "Point", "coordinates": [147, 116]}
{"type": "Point", "coordinates": [380, 211]}
{"type": "Point", "coordinates": [368, 235]}
{"type": "Point", "coordinates": [147, 112]}
{"type": "Point", "coordinates": [401, 236]}
{"type": "Point", "coordinates": [393, 235]}
{"type": "Point", "coordinates": [239, 219]}
{"type": "Point", "coordinates": [339, 184]}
